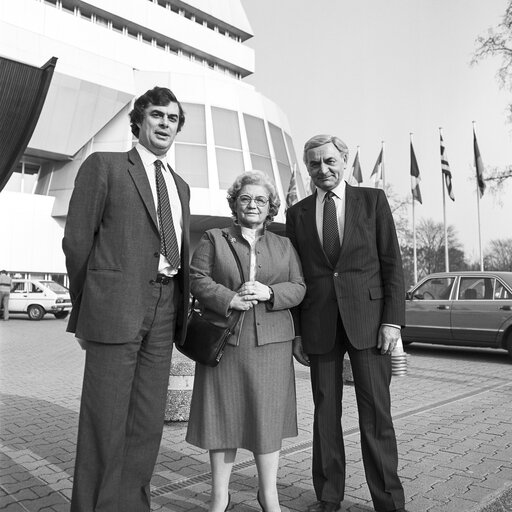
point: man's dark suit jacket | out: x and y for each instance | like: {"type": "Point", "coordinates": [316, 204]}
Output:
{"type": "Point", "coordinates": [366, 285]}
{"type": "Point", "coordinates": [112, 248]}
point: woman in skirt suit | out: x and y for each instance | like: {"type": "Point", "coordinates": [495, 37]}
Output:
{"type": "Point", "coordinates": [247, 401]}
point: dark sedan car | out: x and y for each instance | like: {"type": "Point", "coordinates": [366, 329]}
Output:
{"type": "Point", "coordinates": [461, 308]}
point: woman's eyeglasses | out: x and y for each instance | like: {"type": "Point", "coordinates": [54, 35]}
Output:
{"type": "Point", "coordinates": [258, 200]}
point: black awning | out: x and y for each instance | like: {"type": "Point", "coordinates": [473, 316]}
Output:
{"type": "Point", "coordinates": [23, 91]}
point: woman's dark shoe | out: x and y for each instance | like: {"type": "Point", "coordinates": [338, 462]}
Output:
{"type": "Point", "coordinates": [259, 502]}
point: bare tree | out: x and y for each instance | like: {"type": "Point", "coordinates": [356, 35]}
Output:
{"type": "Point", "coordinates": [498, 256]}
{"type": "Point", "coordinates": [497, 42]}
{"type": "Point", "coordinates": [399, 208]}
{"type": "Point", "coordinates": [430, 248]}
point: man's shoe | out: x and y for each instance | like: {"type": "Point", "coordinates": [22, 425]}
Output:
{"type": "Point", "coordinates": [324, 506]}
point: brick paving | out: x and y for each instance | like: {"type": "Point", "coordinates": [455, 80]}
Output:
{"type": "Point", "coordinates": [452, 413]}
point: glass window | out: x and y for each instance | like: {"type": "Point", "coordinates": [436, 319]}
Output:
{"type": "Point", "coordinates": [262, 164]}
{"type": "Point", "coordinates": [278, 142]}
{"type": "Point", "coordinates": [18, 288]}
{"type": "Point", "coordinates": [256, 135]}
{"type": "Point", "coordinates": [294, 162]}
{"type": "Point", "coordinates": [473, 288]}
{"type": "Point", "coordinates": [191, 164]}
{"type": "Point", "coordinates": [286, 175]}
{"type": "Point", "coordinates": [194, 128]}
{"type": "Point", "coordinates": [435, 289]}
{"type": "Point", "coordinates": [229, 165]}
{"type": "Point", "coordinates": [54, 287]}
{"type": "Point", "coordinates": [101, 21]}
{"type": "Point", "coordinates": [502, 292]}
{"type": "Point", "coordinates": [226, 128]}
{"type": "Point", "coordinates": [68, 6]}
{"type": "Point", "coordinates": [32, 288]}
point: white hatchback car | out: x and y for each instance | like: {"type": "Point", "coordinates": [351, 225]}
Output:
{"type": "Point", "coordinates": [37, 297]}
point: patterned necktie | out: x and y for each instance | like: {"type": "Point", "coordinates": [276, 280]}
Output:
{"type": "Point", "coordinates": [331, 234]}
{"type": "Point", "coordinates": [168, 243]}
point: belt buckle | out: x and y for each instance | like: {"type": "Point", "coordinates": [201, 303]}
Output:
{"type": "Point", "coordinates": [163, 279]}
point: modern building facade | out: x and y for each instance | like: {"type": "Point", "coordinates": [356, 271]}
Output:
{"type": "Point", "coordinates": [109, 52]}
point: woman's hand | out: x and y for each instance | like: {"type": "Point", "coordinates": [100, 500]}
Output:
{"type": "Point", "coordinates": [256, 291]}
{"type": "Point", "coordinates": [242, 302]}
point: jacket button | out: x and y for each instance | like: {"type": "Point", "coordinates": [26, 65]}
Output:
{"type": "Point", "coordinates": [156, 254]}
{"type": "Point", "coordinates": [335, 274]}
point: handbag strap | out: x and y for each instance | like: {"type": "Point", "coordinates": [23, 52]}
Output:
{"type": "Point", "coordinates": [235, 255]}
{"type": "Point", "coordinates": [240, 269]}
{"type": "Point", "coordinates": [231, 325]}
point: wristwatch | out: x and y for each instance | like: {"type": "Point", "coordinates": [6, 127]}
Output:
{"type": "Point", "coordinates": [271, 298]}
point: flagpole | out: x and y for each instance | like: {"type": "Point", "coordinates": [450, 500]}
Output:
{"type": "Point", "coordinates": [359, 155]}
{"type": "Point", "coordinates": [414, 249]}
{"type": "Point", "coordinates": [446, 251]}
{"type": "Point", "coordinates": [478, 212]}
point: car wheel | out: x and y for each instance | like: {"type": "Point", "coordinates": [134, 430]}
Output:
{"type": "Point", "coordinates": [61, 314]}
{"type": "Point", "coordinates": [35, 312]}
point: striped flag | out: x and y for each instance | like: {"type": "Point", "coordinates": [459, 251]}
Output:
{"type": "Point", "coordinates": [479, 166]}
{"type": "Point", "coordinates": [291, 195]}
{"type": "Point", "coordinates": [445, 168]}
{"type": "Point", "coordinates": [378, 171]}
{"type": "Point", "coordinates": [415, 178]}
{"type": "Point", "coordinates": [357, 176]}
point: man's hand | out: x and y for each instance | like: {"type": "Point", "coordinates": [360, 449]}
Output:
{"type": "Point", "coordinates": [298, 351]}
{"type": "Point", "coordinates": [387, 338]}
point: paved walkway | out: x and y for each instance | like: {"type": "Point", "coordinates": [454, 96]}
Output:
{"type": "Point", "coordinates": [452, 412]}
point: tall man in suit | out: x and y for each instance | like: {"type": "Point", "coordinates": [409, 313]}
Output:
{"type": "Point", "coordinates": [127, 253]}
{"type": "Point", "coordinates": [354, 303]}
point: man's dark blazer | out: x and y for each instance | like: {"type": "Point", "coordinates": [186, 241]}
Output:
{"type": "Point", "coordinates": [366, 285]}
{"type": "Point", "coordinates": [112, 248]}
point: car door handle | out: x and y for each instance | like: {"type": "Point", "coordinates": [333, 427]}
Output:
{"type": "Point", "coordinates": [506, 308]}
{"type": "Point", "coordinates": [442, 306]}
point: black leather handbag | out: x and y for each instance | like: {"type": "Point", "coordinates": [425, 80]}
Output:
{"type": "Point", "coordinates": [205, 341]}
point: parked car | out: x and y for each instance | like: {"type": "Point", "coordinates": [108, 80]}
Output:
{"type": "Point", "coordinates": [461, 309]}
{"type": "Point", "coordinates": [38, 297]}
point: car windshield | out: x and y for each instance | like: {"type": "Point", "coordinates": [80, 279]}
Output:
{"type": "Point", "coordinates": [55, 287]}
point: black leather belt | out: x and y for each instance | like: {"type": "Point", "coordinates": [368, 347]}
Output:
{"type": "Point", "coordinates": [163, 279]}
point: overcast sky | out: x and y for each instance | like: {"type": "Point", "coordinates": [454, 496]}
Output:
{"type": "Point", "coordinates": [371, 71]}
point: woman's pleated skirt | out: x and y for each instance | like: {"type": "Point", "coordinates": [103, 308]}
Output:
{"type": "Point", "coordinates": [247, 401]}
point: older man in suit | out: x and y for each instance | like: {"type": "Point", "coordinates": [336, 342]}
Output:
{"type": "Point", "coordinates": [127, 253]}
{"type": "Point", "coordinates": [346, 240]}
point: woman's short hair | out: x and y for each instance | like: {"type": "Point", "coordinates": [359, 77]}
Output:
{"type": "Point", "coordinates": [254, 177]}
{"type": "Point", "coordinates": [320, 140]}
{"type": "Point", "coordinates": [160, 96]}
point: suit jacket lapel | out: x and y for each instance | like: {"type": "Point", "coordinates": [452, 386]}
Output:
{"type": "Point", "coordinates": [140, 178]}
{"type": "Point", "coordinates": [185, 211]}
{"type": "Point", "coordinates": [352, 207]}
{"type": "Point", "coordinates": [308, 216]}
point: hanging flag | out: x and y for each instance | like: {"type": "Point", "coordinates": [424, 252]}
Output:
{"type": "Point", "coordinates": [357, 176]}
{"type": "Point", "coordinates": [479, 166]}
{"type": "Point", "coordinates": [445, 169]}
{"type": "Point", "coordinates": [291, 195]}
{"type": "Point", "coordinates": [378, 171]}
{"type": "Point", "coordinates": [415, 178]}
